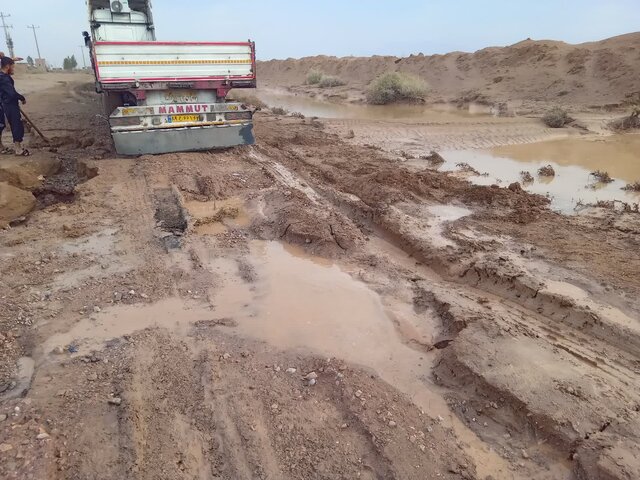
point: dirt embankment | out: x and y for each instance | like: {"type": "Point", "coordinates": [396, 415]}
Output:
{"type": "Point", "coordinates": [530, 73]}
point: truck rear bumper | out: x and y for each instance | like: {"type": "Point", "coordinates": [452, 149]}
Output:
{"type": "Point", "coordinates": [169, 140]}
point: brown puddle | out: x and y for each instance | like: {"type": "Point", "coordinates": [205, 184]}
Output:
{"type": "Point", "coordinates": [312, 107]}
{"type": "Point", "coordinates": [618, 154]}
{"type": "Point", "coordinates": [300, 303]}
{"type": "Point", "coordinates": [216, 216]}
{"type": "Point", "coordinates": [573, 160]}
{"type": "Point", "coordinates": [295, 301]}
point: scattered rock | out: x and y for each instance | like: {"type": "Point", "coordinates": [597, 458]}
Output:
{"type": "Point", "coordinates": [274, 407]}
{"type": "Point", "coordinates": [516, 187]}
{"type": "Point", "coordinates": [525, 455]}
{"type": "Point", "coordinates": [547, 171]}
{"type": "Point", "coordinates": [312, 382]}
{"type": "Point", "coordinates": [344, 426]}
{"type": "Point", "coordinates": [358, 393]}
{"type": "Point", "coordinates": [114, 401]}
{"type": "Point", "coordinates": [93, 377]}
{"type": "Point", "coordinates": [58, 350]}
{"type": "Point", "coordinates": [5, 447]}
{"type": "Point", "coordinates": [43, 436]}
{"type": "Point", "coordinates": [97, 309]}
{"type": "Point", "coordinates": [311, 376]}
{"type": "Point", "coordinates": [392, 424]}
{"type": "Point", "coordinates": [291, 370]}
{"type": "Point", "coordinates": [226, 356]}
{"type": "Point", "coordinates": [3, 417]}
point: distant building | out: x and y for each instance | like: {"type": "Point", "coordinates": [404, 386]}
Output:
{"type": "Point", "coordinates": [40, 63]}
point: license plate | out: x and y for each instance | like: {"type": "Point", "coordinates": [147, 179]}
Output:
{"type": "Point", "coordinates": [184, 118]}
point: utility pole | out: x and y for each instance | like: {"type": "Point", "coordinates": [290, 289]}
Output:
{"type": "Point", "coordinates": [7, 35]}
{"type": "Point", "coordinates": [84, 62]}
{"type": "Point", "coordinates": [33, 27]}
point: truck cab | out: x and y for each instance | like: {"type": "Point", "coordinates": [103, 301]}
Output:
{"type": "Point", "coordinates": [122, 20]}
{"type": "Point", "coordinates": [165, 97]}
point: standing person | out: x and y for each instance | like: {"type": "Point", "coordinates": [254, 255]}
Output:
{"type": "Point", "coordinates": [9, 98]}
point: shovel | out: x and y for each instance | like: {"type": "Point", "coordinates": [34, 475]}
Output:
{"type": "Point", "coordinates": [34, 126]}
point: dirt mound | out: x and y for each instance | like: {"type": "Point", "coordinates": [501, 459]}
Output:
{"type": "Point", "coordinates": [597, 73]}
{"type": "Point", "coordinates": [27, 173]}
{"type": "Point", "coordinates": [14, 203]}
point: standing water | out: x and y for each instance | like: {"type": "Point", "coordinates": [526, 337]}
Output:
{"type": "Point", "coordinates": [573, 159]}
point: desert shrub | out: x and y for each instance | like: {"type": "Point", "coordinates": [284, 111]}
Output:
{"type": "Point", "coordinates": [434, 158]}
{"type": "Point", "coordinates": [328, 81]}
{"type": "Point", "coordinates": [314, 77]}
{"type": "Point", "coordinates": [465, 167]}
{"type": "Point", "coordinates": [526, 176]}
{"type": "Point", "coordinates": [547, 171]}
{"type": "Point", "coordinates": [627, 123]}
{"type": "Point", "coordinates": [556, 118]}
{"type": "Point", "coordinates": [396, 86]}
{"type": "Point", "coordinates": [601, 176]}
{"type": "Point", "coordinates": [248, 99]}
{"type": "Point", "coordinates": [632, 187]}
{"type": "Point", "coordinates": [279, 111]}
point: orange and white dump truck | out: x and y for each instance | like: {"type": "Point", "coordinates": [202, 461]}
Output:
{"type": "Point", "coordinates": [165, 97]}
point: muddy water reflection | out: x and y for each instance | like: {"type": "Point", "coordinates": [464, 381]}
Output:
{"type": "Point", "coordinates": [573, 161]}
{"type": "Point", "coordinates": [296, 303]}
{"type": "Point", "coordinates": [312, 107]}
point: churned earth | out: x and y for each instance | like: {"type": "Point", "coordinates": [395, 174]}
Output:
{"type": "Point", "coordinates": [317, 306]}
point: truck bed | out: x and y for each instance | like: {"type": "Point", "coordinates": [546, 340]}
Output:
{"type": "Point", "coordinates": [125, 62]}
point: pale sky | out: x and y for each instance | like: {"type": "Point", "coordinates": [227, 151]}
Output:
{"type": "Point", "coordinates": [288, 28]}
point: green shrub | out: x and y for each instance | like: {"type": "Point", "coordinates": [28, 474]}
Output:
{"type": "Point", "coordinates": [314, 77]}
{"type": "Point", "coordinates": [556, 118]}
{"type": "Point", "coordinates": [329, 81]}
{"type": "Point", "coordinates": [396, 86]}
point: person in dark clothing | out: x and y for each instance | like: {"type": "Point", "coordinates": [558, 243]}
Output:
{"type": "Point", "coordinates": [9, 98]}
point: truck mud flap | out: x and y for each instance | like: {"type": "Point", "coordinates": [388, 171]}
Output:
{"type": "Point", "coordinates": [182, 139]}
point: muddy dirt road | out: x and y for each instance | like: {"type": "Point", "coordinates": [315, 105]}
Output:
{"type": "Point", "coordinates": [307, 308]}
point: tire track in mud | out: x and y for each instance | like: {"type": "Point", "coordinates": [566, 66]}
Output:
{"type": "Point", "coordinates": [515, 313]}
{"type": "Point", "coordinates": [420, 139]}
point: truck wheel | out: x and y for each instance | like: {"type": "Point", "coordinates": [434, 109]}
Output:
{"type": "Point", "coordinates": [111, 101]}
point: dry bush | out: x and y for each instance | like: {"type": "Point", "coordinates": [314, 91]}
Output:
{"type": "Point", "coordinates": [465, 167]}
{"type": "Point", "coordinates": [251, 100]}
{"type": "Point", "coordinates": [627, 123]}
{"type": "Point", "coordinates": [526, 177]}
{"type": "Point", "coordinates": [279, 111]}
{"type": "Point", "coordinates": [314, 77]}
{"type": "Point", "coordinates": [547, 171]}
{"type": "Point", "coordinates": [602, 176]}
{"type": "Point", "coordinates": [556, 118]}
{"type": "Point", "coordinates": [328, 81]}
{"type": "Point", "coordinates": [632, 187]}
{"type": "Point", "coordinates": [614, 205]}
{"type": "Point", "coordinates": [394, 87]}
{"type": "Point", "coordinates": [434, 158]}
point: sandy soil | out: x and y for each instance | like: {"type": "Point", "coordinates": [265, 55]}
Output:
{"type": "Point", "coordinates": [527, 76]}
{"type": "Point", "coordinates": [310, 307]}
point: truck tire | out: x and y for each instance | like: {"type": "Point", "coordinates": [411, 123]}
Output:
{"type": "Point", "coordinates": [111, 101]}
